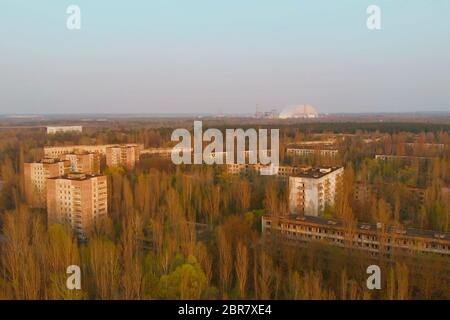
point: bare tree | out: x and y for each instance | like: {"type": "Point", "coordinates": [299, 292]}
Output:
{"type": "Point", "coordinates": [241, 267]}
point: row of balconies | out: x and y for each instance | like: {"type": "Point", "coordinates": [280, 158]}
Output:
{"type": "Point", "coordinates": [362, 240]}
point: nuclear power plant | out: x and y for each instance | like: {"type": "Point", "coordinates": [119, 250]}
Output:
{"type": "Point", "coordinates": [304, 111]}
{"type": "Point", "coordinates": [299, 111]}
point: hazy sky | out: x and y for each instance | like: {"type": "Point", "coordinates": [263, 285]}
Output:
{"type": "Point", "coordinates": [183, 56]}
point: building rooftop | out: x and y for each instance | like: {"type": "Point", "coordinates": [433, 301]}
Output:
{"type": "Point", "coordinates": [77, 176]}
{"type": "Point", "coordinates": [76, 126]}
{"type": "Point", "coordinates": [81, 146]}
{"type": "Point", "coordinates": [317, 146]}
{"type": "Point", "coordinates": [392, 156]}
{"type": "Point", "coordinates": [79, 153]}
{"type": "Point", "coordinates": [315, 172]}
{"type": "Point", "coordinates": [412, 232]}
{"type": "Point", "coordinates": [50, 160]}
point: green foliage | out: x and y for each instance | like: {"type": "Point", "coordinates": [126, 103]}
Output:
{"type": "Point", "coordinates": [187, 281]}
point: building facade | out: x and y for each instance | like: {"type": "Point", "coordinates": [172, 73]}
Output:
{"type": "Point", "coordinates": [35, 179]}
{"type": "Point", "coordinates": [62, 129]}
{"type": "Point", "coordinates": [388, 157]}
{"type": "Point", "coordinates": [58, 152]}
{"type": "Point", "coordinates": [88, 163]}
{"type": "Point", "coordinates": [123, 155]}
{"type": "Point", "coordinates": [374, 238]}
{"type": "Point", "coordinates": [78, 199]}
{"type": "Point", "coordinates": [305, 152]}
{"type": "Point", "coordinates": [311, 191]}
{"type": "Point", "coordinates": [283, 172]}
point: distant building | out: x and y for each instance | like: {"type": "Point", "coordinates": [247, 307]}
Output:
{"type": "Point", "coordinates": [374, 238]}
{"type": "Point", "coordinates": [57, 152]}
{"type": "Point", "coordinates": [280, 171]}
{"type": "Point", "coordinates": [304, 152]}
{"type": "Point", "coordinates": [299, 112]}
{"type": "Point", "coordinates": [437, 146]}
{"type": "Point", "coordinates": [78, 199]}
{"type": "Point", "coordinates": [272, 114]}
{"type": "Point", "coordinates": [312, 190]}
{"type": "Point", "coordinates": [164, 152]}
{"type": "Point", "coordinates": [362, 193]}
{"type": "Point", "coordinates": [123, 155]}
{"type": "Point", "coordinates": [83, 162]}
{"type": "Point", "coordinates": [389, 157]}
{"type": "Point", "coordinates": [62, 129]}
{"type": "Point", "coordinates": [35, 179]}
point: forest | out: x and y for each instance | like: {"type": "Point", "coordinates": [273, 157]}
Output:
{"type": "Point", "coordinates": [194, 232]}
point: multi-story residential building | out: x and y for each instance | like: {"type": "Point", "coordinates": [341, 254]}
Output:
{"type": "Point", "coordinates": [311, 191]}
{"type": "Point", "coordinates": [58, 152]}
{"type": "Point", "coordinates": [364, 191]}
{"type": "Point", "coordinates": [374, 238]}
{"type": "Point", "coordinates": [123, 155]}
{"type": "Point", "coordinates": [78, 199]}
{"type": "Point", "coordinates": [53, 130]}
{"type": "Point", "coordinates": [83, 162]}
{"type": "Point", "coordinates": [35, 179]}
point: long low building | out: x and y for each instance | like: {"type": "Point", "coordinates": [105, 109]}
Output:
{"type": "Point", "coordinates": [160, 151]}
{"type": "Point", "coordinates": [305, 152]}
{"type": "Point", "coordinates": [374, 238]}
{"type": "Point", "coordinates": [63, 129]}
{"type": "Point", "coordinates": [57, 152]}
{"type": "Point", "coordinates": [281, 171]}
{"type": "Point", "coordinates": [389, 157]}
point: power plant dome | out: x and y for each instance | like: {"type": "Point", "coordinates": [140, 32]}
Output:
{"type": "Point", "coordinates": [299, 111]}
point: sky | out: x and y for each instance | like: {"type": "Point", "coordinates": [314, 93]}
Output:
{"type": "Point", "coordinates": [229, 56]}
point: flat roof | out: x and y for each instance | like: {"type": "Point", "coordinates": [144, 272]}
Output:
{"type": "Point", "coordinates": [363, 226]}
{"type": "Point", "coordinates": [317, 147]}
{"type": "Point", "coordinates": [124, 145]}
{"type": "Point", "coordinates": [317, 172]}
{"type": "Point", "coordinates": [48, 161]}
{"type": "Point", "coordinates": [77, 176]}
{"type": "Point", "coordinates": [81, 146]}
{"type": "Point", "coordinates": [79, 153]}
